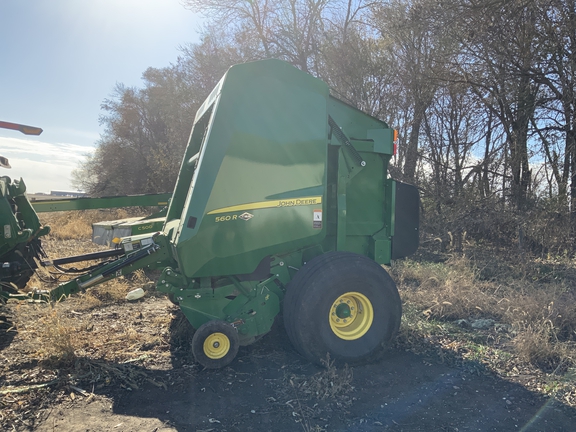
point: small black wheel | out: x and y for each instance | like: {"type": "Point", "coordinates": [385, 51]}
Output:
{"type": "Point", "coordinates": [342, 304]}
{"type": "Point", "coordinates": [215, 344]}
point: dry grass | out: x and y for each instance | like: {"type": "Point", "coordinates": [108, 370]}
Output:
{"type": "Point", "coordinates": [115, 290]}
{"type": "Point", "coordinates": [62, 334]}
{"type": "Point", "coordinates": [93, 340]}
{"type": "Point", "coordinates": [78, 224]}
{"type": "Point", "coordinates": [541, 315]}
{"type": "Point", "coordinates": [331, 382]}
{"type": "Point", "coordinates": [56, 338]}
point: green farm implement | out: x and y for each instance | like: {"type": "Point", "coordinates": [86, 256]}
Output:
{"type": "Point", "coordinates": [282, 204]}
{"type": "Point", "coordinates": [103, 233]}
{"type": "Point", "coordinates": [21, 229]}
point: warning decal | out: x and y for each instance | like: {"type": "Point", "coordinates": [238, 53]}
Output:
{"type": "Point", "coordinates": [317, 219]}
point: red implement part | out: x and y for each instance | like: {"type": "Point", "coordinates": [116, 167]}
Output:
{"type": "Point", "coordinates": [26, 130]}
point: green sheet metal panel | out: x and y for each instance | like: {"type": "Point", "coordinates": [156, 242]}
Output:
{"type": "Point", "coordinates": [365, 198]}
{"type": "Point", "coordinates": [147, 200]}
{"type": "Point", "coordinates": [259, 181]}
{"type": "Point", "coordinates": [360, 126]}
{"type": "Point", "coordinates": [368, 210]}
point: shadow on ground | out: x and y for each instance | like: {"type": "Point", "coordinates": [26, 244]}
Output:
{"type": "Point", "coordinates": [268, 387]}
{"type": "Point", "coordinates": [7, 331]}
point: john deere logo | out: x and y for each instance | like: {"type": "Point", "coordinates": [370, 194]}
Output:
{"type": "Point", "coordinates": [246, 216]}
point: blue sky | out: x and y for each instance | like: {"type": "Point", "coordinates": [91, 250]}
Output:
{"type": "Point", "coordinates": [61, 59]}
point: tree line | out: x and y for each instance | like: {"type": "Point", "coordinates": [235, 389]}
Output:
{"type": "Point", "coordinates": [481, 91]}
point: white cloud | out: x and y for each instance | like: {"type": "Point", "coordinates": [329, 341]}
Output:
{"type": "Point", "coordinates": [43, 166]}
{"type": "Point", "coordinates": [83, 136]}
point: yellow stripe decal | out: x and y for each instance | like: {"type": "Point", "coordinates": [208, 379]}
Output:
{"type": "Point", "coordinates": [290, 202]}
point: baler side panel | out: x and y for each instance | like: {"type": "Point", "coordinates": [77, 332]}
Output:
{"type": "Point", "coordinates": [366, 213]}
{"type": "Point", "coordinates": [263, 165]}
{"type": "Point", "coordinates": [368, 208]}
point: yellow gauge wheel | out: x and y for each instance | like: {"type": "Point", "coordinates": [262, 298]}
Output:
{"type": "Point", "coordinates": [351, 316]}
{"type": "Point", "coordinates": [216, 346]}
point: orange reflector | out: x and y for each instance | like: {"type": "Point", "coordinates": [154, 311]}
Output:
{"type": "Point", "coordinates": [30, 130]}
{"type": "Point", "coordinates": [395, 142]}
{"type": "Point", "coordinates": [27, 130]}
{"type": "Point", "coordinates": [116, 240]}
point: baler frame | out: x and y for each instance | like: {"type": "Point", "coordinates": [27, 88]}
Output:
{"type": "Point", "coordinates": [329, 217]}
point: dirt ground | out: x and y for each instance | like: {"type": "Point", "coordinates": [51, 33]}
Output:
{"type": "Point", "coordinates": [97, 362]}
{"type": "Point", "coordinates": [268, 387]}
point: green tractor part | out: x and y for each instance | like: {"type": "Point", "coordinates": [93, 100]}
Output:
{"type": "Point", "coordinates": [20, 228]}
{"type": "Point", "coordinates": [21, 250]}
{"type": "Point", "coordinates": [104, 233]}
{"type": "Point", "coordinates": [282, 204]}
{"type": "Point", "coordinates": [146, 200]}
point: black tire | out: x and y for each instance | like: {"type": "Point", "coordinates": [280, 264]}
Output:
{"type": "Point", "coordinates": [25, 256]}
{"type": "Point", "coordinates": [215, 344]}
{"type": "Point", "coordinates": [311, 311]}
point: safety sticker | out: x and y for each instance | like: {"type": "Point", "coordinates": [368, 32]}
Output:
{"type": "Point", "coordinates": [317, 219]}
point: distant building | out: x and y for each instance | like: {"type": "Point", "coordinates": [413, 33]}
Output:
{"type": "Point", "coordinates": [69, 194]}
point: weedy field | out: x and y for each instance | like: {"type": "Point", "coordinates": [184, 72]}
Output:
{"type": "Point", "coordinates": [513, 314]}
{"type": "Point", "coordinates": [488, 342]}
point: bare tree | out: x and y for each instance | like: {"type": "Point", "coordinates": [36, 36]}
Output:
{"type": "Point", "coordinates": [414, 34]}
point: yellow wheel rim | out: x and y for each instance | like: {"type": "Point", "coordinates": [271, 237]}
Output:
{"type": "Point", "coordinates": [216, 346]}
{"type": "Point", "coordinates": [351, 316]}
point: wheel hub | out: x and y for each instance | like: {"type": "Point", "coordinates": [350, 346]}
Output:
{"type": "Point", "coordinates": [216, 346]}
{"type": "Point", "coordinates": [351, 316]}
{"type": "Point", "coordinates": [343, 311]}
